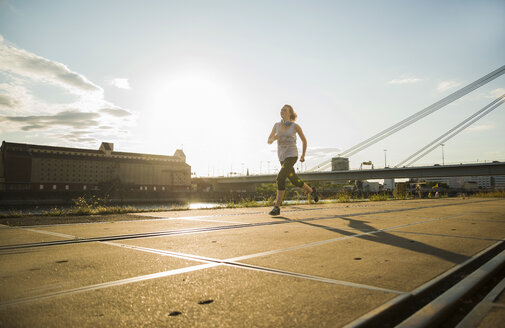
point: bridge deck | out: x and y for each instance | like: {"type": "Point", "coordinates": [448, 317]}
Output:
{"type": "Point", "coordinates": [315, 265]}
{"type": "Point", "coordinates": [474, 169]}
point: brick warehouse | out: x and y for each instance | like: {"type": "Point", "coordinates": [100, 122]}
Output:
{"type": "Point", "coordinates": [57, 174]}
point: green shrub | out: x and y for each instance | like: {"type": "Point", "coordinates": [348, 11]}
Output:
{"type": "Point", "coordinates": [343, 197]}
{"type": "Point", "coordinates": [378, 197]}
{"type": "Point", "coordinates": [493, 194]}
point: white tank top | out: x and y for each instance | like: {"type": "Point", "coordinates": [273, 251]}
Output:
{"type": "Point", "coordinates": [286, 144]}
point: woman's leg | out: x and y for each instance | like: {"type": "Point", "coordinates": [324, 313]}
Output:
{"type": "Point", "coordinates": [280, 197]}
{"type": "Point", "coordinates": [295, 180]}
{"type": "Point", "coordinates": [307, 188]}
{"type": "Point", "coordinates": [281, 182]}
{"type": "Point", "coordinates": [288, 171]}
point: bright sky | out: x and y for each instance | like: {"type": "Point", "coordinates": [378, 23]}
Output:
{"type": "Point", "coordinates": [211, 77]}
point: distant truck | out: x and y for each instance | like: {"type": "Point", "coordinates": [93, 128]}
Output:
{"type": "Point", "coordinates": [371, 186]}
{"type": "Point", "coordinates": [470, 186]}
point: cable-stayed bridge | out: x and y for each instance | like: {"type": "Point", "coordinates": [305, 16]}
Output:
{"type": "Point", "coordinates": [423, 113]}
{"type": "Point", "coordinates": [495, 168]}
{"type": "Point", "coordinates": [340, 164]}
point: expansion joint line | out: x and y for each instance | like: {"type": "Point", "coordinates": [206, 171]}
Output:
{"type": "Point", "coordinates": [212, 262]}
{"type": "Point", "coordinates": [207, 229]}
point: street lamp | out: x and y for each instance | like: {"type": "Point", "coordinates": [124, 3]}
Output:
{"type": "Point", "coordinates": [443, 159]}
{"type": "Point", "coordinates": [385, 162]}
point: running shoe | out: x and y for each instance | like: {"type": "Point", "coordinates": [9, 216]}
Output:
{"type": "Point", "coordinates": [314, 195]}
{"type": "Point", "coordinates": [275, 211]}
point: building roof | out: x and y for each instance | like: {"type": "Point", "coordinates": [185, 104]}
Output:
{"type": "Point", "coordinates": [106, 148]}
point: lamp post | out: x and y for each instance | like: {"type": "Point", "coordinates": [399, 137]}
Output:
{"type": "Point", "coordinates": [385, 162]}
{"type": "Point", "coordinates": [443, 159]}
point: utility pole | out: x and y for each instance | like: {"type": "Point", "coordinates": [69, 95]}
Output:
{"type": "Point", "coordinates": [443, 159]}
{"type": "Point", "coordinates": [385, 162]}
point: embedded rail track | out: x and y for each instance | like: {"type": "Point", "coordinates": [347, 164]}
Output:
{"type": "Point", "coordinates": [218, 228]}
{"type": "Point", "coordinates": [433, 304]}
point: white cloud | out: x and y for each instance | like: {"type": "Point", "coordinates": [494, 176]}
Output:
{"type": "Point", "coordinates": [446, 85]}
{"type": "Point", "coordinates": [71, 118]}
{"type": "Point", "coordinates": [7, 101]}
{"type": "Point", "coordinates": [496, 93]}
{"type": "Point", "coordinates": [120, 83]}
{"type": "Point", "coordinates": [482, 127]}
{"type": "Point", "coordinates": [25, 64]}
{"type": "Point", "coordinates": [405, 80]}
{"type": "Point", "coordinates": [25, 74]}
{"type": "Point", "coordinates": [21, 101]}
{"type": "Point", "coordinates": [117, 112]}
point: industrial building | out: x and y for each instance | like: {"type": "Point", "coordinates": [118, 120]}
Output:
{"type": "Point", "coordinates": [32, 170]}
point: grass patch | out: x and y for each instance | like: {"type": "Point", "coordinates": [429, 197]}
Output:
{"type": "Point", "coordinates": [344, 197]}
{"type": "Point", "coordinates": [249, 203]}
{"type": "Point", "coordinates": [378, 197]}
{"type": "Point", "coordinates": [490, 194]}
{"type": "Point", "coordinates": [83, 206]}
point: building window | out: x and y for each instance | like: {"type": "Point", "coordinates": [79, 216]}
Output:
{"type": "Point", "coordinates": [154, 188]}
{"type": "Point", "coordinates": [84, 187]}
{"type": "Point", "coordinates": [54, 187]}
{"type": "Point", "coordinates": [141, 188]}
{"type": "Point", "coordinates": [67, 187]}
{"type": "Point", "coordinates": [162, 188]}
{"type": "Point", "coordinates": [41, 187]}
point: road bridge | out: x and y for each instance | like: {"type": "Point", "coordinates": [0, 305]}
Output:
{"type": "Point", "coordinates": [474, 169]}
{"type": "Point", "coordinates": [248, 183]}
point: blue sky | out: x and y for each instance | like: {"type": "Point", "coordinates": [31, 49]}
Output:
{"type": "Point", "coordinates": [211, 77]}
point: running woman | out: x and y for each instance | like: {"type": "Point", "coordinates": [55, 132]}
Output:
{"type": "Point", "coordinates": [285, 133]}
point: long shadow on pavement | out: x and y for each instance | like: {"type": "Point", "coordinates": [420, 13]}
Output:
{"type": "Point", "coordinates": [386, 238]}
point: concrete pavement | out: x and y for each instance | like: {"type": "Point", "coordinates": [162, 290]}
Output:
{"type": "Point", "coordinates": [319, 265]}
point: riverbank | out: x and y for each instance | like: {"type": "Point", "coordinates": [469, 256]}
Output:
{"type": "Point", "coordinates": [95, 211]}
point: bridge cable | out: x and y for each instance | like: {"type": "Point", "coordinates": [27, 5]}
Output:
{"type": "Point", "coordinates": [451, 130]}
{"type": "Point", "coordinates": [428, 110]}
{"type": "Point", "coordinates": [454, 131]}
{"type": "Point", "coordinates": [454, 134]}
{"type": "Point", "coordinates": [417, 116]}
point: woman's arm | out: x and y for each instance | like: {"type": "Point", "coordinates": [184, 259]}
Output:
{"type": "Point", "coordinates": [304, 141]}
{"type": "Point", "coordinates": [273, 135]}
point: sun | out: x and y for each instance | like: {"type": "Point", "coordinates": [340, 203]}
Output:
{"type": "Point", "coordinates": [181, 108]}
